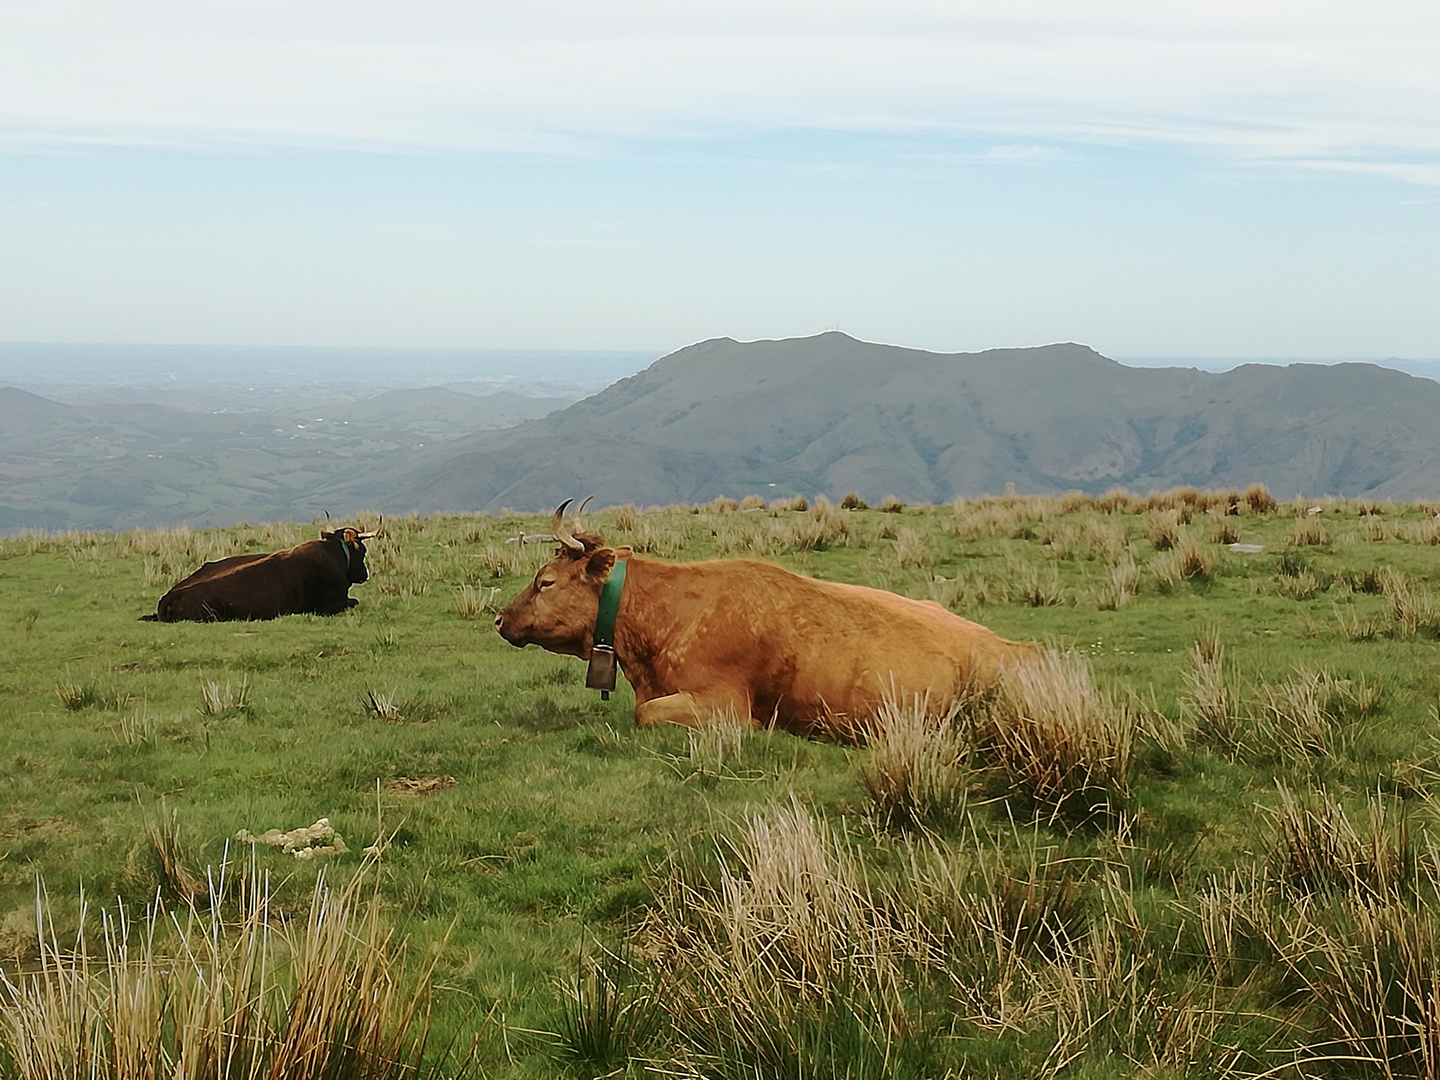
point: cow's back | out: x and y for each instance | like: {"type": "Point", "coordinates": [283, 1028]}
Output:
{"type": "Point", "coordinates": [240, 587]}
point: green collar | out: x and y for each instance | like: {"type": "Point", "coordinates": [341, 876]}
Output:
{"type": "Point", "coordinates": [609, 605]}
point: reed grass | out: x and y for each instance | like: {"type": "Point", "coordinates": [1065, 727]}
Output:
{"type": "Point", "coordinates": [1065, 747]}
{"type": "Point", "coordinates": [186, 991]}
{"type": "Point", "coordinates": [916, 772]}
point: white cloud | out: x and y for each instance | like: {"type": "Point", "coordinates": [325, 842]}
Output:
{"type": "Point", "coordinates": [1289, 80]}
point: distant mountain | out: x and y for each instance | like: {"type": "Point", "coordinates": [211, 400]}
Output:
{"type": "Point", "coordinates": [830, 414]}
{"type": "Point", "coordinates": [138, 464]}
{"type": "Point", "coordinates": [817, 415]}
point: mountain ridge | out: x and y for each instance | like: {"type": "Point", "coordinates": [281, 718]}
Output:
{"type": "Point", "coordinates": [830, 414]}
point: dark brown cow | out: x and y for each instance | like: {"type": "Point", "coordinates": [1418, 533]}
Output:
{"type": "Point", "coordinates": [753, 639]}
{"type": "Point", "coordinates": [314, 577]}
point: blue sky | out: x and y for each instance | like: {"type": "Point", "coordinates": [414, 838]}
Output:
{"type": "Point", "coordinates": [1152, 179]}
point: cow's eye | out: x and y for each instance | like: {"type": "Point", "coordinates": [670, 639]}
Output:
{"type": "Point", "coordinates": [545, 583]}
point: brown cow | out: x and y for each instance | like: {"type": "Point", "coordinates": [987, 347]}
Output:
{"type": "Point", "coordinates": [314, 577]}
{"type": "Point", "coordinates": [753, 639]}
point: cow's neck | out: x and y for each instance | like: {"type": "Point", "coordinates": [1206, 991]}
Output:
{"type": "Point", "coordinates": [345, 552]}
{"type": "Point", "coordinates": [646, 623]}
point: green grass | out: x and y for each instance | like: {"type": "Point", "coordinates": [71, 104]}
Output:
{"type": "Point", "coordinates": [539, 828]}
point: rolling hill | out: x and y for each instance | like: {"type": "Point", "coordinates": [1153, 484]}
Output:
{"type": "Point", "coordinates": [830, 414]}
{"type": "Point", "coordinates": [136, 464]}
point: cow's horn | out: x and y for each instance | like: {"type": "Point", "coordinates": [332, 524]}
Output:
{"type": "Point", "coordinates": [580, 510]}
{"type": "Point", "coordinates": [372, 535]}
{"type": "Point", "coordinates": [557, 526]}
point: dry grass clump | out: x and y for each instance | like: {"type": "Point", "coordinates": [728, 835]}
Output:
{"type": "Point", "coordinates": [915, 773]}
{"type": "Point", "coordinates": [1102, 540]}
{"type": "Point", "coordinates": [222, 700]}
{"type": "Point", "coordinates": [1318, 848]}
{"type": "Point", "coordinates": [1308, 532]}
{"type": "Point", "coordinates": [1208, 703]}
{"type": "Point", "coordinates": [500, 560]}
{"type": "Point", "coordinates": [723, 504]}
{"type": "Point", "coordinates": [781, 959]}
{"type": "Point", "coordinates": [1120, 585]}
{"type": "Point", "coordinates": [1223, 529]}
{"type": "Point", "coordinates": [1183, 501]}
{"type": "Point", "coordinates": [1187, 561]}
{"type": "Point", "coordinates": [665, 540]}
{"type": "Point", "coordinates": [1029, 585]}
{"type": "Point", "coordinates": [717, 745]}
{"type": "Point", "coordinates": [1361, 626]}
{"type": "Point", "coordinates": [752, 502]}
{"type": "Point", "coordinates": [186, 992]}
{"type": "Point", "coordinates": [1117, 501]}
{"type": "Point", "coordinates": [1258, 500]}
{"type": "Point", "coordinates": [611, 1013]}
{"type": "Point", "coordinates": [1300, 586]}
{"type": "Point", "coordinates": [1415, 610]}
{"type": "Point", "coordinates": [852, 500]}
{"type": "Point", "coordinates": [964, 592]}
{"type": "Point", "coordinates": [1163, 530]}
{"type": "Point", "coordinates": [625, 517]}
{"type": "Point", "coordinates": [1350, 921]}
{"type": "Point", "coordinates": [912, 550]}
{"type": "Point", "coordinates": [1305, 717]}
{"type": "Point", "coordinates": [823, 526]}
{"type": "Point", "coordinates": [1422, 532]}
{"type": "Point", "coordinates": [383, 706]}
{"type": "Point", "coordinates": [166, 859]}
{"type": "Point", "coordinates": [1064, 746]}
{"type": "Point", "coordinates": [475, 603]}
{"type": "Point", "coordinates": [789, 503]}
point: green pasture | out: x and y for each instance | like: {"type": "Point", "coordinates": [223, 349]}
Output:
{"type": "Point", "coordinates": [544, 833]}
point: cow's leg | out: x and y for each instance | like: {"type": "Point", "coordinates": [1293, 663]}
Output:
{"type": "Point", "coordinates": [691, 710]}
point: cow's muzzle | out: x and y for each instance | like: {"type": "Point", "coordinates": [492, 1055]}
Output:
{"type": "Point", "coordinates": [509, 632]}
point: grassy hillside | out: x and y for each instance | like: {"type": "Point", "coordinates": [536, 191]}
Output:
{"type": "Point", "coordinates": [1204, 847]}
{"type": "Point", "coordinates": [832, 414]}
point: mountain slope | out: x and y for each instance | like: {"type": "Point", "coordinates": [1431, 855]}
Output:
{"type": "Point", "coordinates": [831, 414]}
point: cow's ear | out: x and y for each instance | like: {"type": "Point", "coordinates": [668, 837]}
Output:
{"type": "Point", "coordinates": [599, 564]}
{"type": "Point", "coordinates": [325, 535]}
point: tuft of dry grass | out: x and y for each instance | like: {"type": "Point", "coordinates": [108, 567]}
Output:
{"type": "Point", "coordinates": [1319, 849]}
{"type": "Point", "coordinates": [383, 706]}
{"type": "Point", "coordinates": [916, 769]}
{"type": "Point", "coordinates": [1208, 703]}
{"type": "Point", "coordinates": [776, 948]}
{"type": "Point", "coordinates": [1303, 718]}
{"type": "Point", "coordinates": [1035, 588]}
{"type": "Point", "coordinates": [1065, 746]}
{"type": "Point", "coordinates": [475, 603]}
{"type": "Point", "coordinates": [718, 745]}
{"type": "Point", "coordinates": [1416, 611]}
{"type": "Point", "coordinates": [221, 700]}
{"type": "Point", "coordinates": [187, 992]}
{"type": "Point", "coordinates": [912, 549]}
{"type": "Point", "coordinates": [1258, 500]}
{"type": "Point", "coordinates": [1121, 584]}
{"type": "Point", "coordinates": [1223, 528]}
{"type": "Point", "coordinates": [1163, 530]}
{"type": "Point", "coordinates": [853, 501]}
